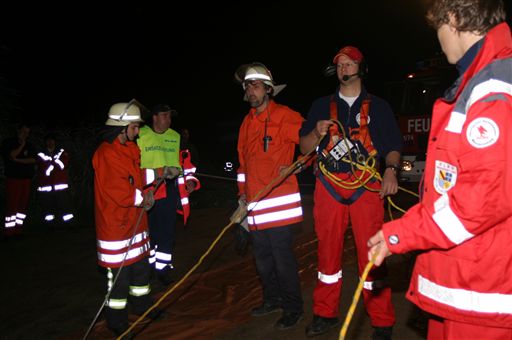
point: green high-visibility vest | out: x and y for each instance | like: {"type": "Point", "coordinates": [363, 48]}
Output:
{"type": "Point", "coordinates": [158, 149]}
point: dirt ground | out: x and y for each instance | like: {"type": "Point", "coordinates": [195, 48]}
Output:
{"type": "Point", "coordinates": [52, 287]}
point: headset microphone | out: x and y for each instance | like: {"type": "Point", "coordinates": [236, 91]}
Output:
{"type": "Point", "coordinates": [348, 76]}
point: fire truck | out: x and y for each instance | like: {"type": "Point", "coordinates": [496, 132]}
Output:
{"type": "Point", "coordinates": [412, 98]}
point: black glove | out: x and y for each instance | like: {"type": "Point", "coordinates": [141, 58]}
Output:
{"type": "Point", "coordinates": [148, 201]}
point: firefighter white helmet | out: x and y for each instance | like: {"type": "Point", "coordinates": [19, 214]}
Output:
{"type": "Point", "coordinates": [257, 71]}
{"type": "Point", "coordinates": [122, 114]}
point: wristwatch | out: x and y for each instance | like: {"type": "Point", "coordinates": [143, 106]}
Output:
{"type": "Point", "coordinates": [395, 167]}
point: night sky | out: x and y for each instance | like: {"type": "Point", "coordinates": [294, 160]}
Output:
{"type": "Point", "coordinates": [70, 63]}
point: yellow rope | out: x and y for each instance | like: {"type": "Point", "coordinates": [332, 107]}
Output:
{"type": "Point", "coordinates": [370, 168]}
{"type": "Point", "coordinates": [268, 187]}
{"type": "Point", "coordinates": [355, 299]}
{"type": "Point", "coordinates": [167, 293]}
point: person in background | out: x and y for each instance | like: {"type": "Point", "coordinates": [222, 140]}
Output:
{"type": "Point", "coordinates": [19, 161]}
{"type": "Point", "coordinates": [266, 143]}
{"type": "Point", "coordinates": [368, 132]}
{"type": "Point", "coordinates": [463, 224]}
{"type": "Point", "coordinates": [169, 171]}
{"type": "Point", "coordinates": [53, 182]}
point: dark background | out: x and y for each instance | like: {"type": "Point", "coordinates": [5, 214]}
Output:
{"type": "Point", "coordinates": [64, 65]}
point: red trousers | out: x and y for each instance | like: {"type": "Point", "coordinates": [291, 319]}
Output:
{"type": "Point", "coordinates": [331, 220]}
{"type": "Point", "coordinates": [447, 329]}
{"type": "Point", "coordinates": [18, 194]}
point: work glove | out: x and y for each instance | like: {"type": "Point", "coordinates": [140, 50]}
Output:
{"type": "Point", "coordinates": [171, 172]}
{"type": "Point", "coordinates": [148, 201]}
{"type": "Point", "coordinates": [240, 214]}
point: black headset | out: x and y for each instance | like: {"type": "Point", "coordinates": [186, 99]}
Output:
{"type": "Point", "coordinates": [363, 69]}
{"type": "Point", "coordinates": [330, 69]}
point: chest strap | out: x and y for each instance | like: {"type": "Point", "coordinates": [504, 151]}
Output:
{"type": "Point", "coordinates": [345, 201]}
{"type": "Point", "coordinates": [362, 133]}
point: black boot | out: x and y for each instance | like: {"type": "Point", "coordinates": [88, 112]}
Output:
{"type": "Point", "coordinates": [382, 333]}
{"type": "Point", "coordinates": [288, 320]}
{"type": "Point", "coordinates": [165, 276]}
{"type": "Point", "coordinates": [320, 325]}
{"type": "Point", "coordinates": [265, 308]}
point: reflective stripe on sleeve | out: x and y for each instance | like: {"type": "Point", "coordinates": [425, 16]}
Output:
{"type": "Point", "coordinates": [456, 122]}
{"type": "Point", "coordinates": [189, 171]}
{"type": "Point", "coordinates": [138, 197]}
{"type": "Point", "coordinates": [240, 178]}
{"type": "Point", "coordinates": [448, 222]}
{"type": "Point", "coordinates": [466, 299]}
{"type": "Point", "coordinates": [487, 87]}
{"type": "Point", "coordinates": [150, 176]}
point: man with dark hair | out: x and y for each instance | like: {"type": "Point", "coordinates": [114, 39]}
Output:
{"type": "Point", "coordinates": [463, 223]}
{"type": "Point", "coordinates": [19, 161]}
{"type": "Point", "coordinates": [266, 144]}
{"type": "Point", "coordinates": [169, 171]}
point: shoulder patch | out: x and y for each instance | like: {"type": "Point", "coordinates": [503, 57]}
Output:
{"type": "Point", "coordinates": [482, 132]}
{"type": "Point", "coordinates": [445, 177]}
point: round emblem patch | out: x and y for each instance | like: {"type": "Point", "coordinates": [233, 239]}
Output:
{"type": "Point", "coordinates": [358, 119]}
{"type": "Point", "coordinates": [482, 132]}
{"type": "Point", "coordinates": [393, 239]}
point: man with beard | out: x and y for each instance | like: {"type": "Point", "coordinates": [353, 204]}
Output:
{"type": "Point", "coordinates": [266, 145]}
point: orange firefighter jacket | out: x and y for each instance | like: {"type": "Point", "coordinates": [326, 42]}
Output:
{"type": "Point", "coordinates": [117, 197]}
{"type": "Point", "coordinates": [281, 204]}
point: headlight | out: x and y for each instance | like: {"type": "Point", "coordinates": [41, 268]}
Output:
{"type": "Point", "coordinates": [407, 165]}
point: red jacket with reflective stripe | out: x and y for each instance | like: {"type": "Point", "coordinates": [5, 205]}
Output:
{"type": "Point", "coordinates": [188, 170]}
{"type": "Point", "coordinates": [282, 205]}
{"type": "Point", "coordinates": [188, 175]}
{"type": "Point", "coordinates": [52, 168]}
{"type": "Point", "coordinates": [464, 222]}
{"type": "Point", "coordinates": [117, 190]}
